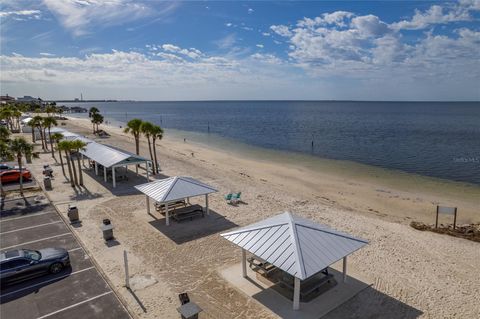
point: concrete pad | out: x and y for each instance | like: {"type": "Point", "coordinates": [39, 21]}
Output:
{"type": "Point", "coordinates": [282, 307]}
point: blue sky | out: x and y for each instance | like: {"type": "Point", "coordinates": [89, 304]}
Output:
{"type": "Point", "coordinates": [158, 50]}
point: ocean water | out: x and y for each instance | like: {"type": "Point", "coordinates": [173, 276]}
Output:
{"type": "Point", "coordinates": [437, 139]}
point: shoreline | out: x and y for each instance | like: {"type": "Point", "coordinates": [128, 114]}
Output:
{"type": "Point", "coordinates": [412, 271]}
{"type": "Point", "coordinates": [386, 193]}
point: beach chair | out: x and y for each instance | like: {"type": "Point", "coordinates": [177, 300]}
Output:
{"type": "Point", "coordinates": [236, 197]}
{"type": "Point", "coordinates": [184, 298]}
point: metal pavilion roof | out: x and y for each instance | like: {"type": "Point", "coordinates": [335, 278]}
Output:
{"type": "Point", "coordinates": [294, 244]}
{"type": "Point", "coordinates": [109, 156]}
{"type": "Point", "coordinates": [174, 188]}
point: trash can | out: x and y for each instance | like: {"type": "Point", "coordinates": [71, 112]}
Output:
{"type": "Point", "coordinates": [107, 229]}
{"type": "Point", "coordinates": [47, 182]}
{"type": "Point", "coordinates": [72, 213]}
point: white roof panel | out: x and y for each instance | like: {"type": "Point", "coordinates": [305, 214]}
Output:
{"type": "Point", "coordinates": [296, 245]}
{"type": "Point", "coordinates": [174, 188]}
{"type": "Point", "coordinates": [108, 156]}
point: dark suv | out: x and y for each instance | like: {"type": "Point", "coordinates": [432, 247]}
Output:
{"type": "Point", "coordinates": [24, 262]}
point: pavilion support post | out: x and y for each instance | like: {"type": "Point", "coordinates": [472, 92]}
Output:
{"type": "Point", "coordinates": [83, 161]}
{"type": "Point", "coordinates": [96, 168]}
{"type": "Point", "coordinates": [146, 166]}
{"type": "Point", "coordinates": [166, 215]}
{"type": "Point", "coordinates": [244, 263]}
{"type": "Point", "coordinates": [148, 204]}
{"type": "Point", "coordinates": [345, 269]}
{"type": "Point", "coordinates": [105, 174]}
{"type": "Point", "coordinates": [296, 294]}
{"type": "Point", "coordinates": [113, 177]}
{"type": "Point", "coordinates": [206, 204]}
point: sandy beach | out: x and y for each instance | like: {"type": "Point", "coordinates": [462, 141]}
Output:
{"type": "Point", "coordinates": [415, 274]}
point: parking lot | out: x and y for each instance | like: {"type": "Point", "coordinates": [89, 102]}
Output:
{"type": "Point", "coordinates": [78, 291]}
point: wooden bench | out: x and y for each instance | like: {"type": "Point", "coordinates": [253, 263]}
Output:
{"type": "Point", "coordinates": [188, 212]}
{"type": "Point", "coordinates": [171, 206]}
{"type": "Point", "coordinates": [262, 267]}
{"type": "Point", "coordinates": [309, 285]}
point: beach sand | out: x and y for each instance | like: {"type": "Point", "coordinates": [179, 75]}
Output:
{"type": "Point", "coordinates": [415, 274]}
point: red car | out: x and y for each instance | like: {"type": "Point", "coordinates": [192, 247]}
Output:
{"type": "Point", "coordinates": [13, 175]}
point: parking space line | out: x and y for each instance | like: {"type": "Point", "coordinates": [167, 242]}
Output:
{"type": "Point", "coordinates": [35, 241]}
{"type": "Point", "coordinates": [73, 249]}
{"type": "Point", "coordinates": [46, 281]}
{"type": "Point", "coordinates": [25, 228]}
{"type": "Point", "coordinates": [3, 220]}
{"type": "Point", "coordinates": [74, 305]}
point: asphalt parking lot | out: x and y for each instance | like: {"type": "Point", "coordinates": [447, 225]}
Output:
{"type": "Point", "coordinates": [78, 291]}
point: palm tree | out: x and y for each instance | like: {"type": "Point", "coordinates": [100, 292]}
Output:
{"type": "Point", "coordinates": [56, 137]}
{"type": "Point", "coordinates": [133, 127]}
{"type": "Point", "coordinates": [157, 133]}
{"type": "Point", "coordinates": [93, 110]}
{"type": "Point", "coordinates": [146, 128]}
{"type": "Point", "coordinates": [65, 146]}
{"type": "Point", "coordinates": [4, 133]}
{"type": "Point", "coordinates": [97, 119]}
{"type": "Point", "coordinates": [78, 145]}
{"type": "Point", "coordinates": [33, 125]}
{"type": "Point", "coordinates": [20, 147]}
{"type": "Point", "coordinates": [48, 122]}
{"type": "Point", "coordinates": [38, 122]}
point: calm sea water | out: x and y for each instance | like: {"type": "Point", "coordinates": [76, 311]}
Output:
{"type": "Point", "coordinates": [427, 138]}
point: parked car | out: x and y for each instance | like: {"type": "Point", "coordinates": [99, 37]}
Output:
{"type": "Point", "coordinates": [13, 175]}
{"type": "Point", "coordinates": [4, 167]}
{"type": "Point", "coordinates": [24, 262]}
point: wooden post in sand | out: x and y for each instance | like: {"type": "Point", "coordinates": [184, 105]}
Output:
{"type": "Point", "coordinates": [127, 276]}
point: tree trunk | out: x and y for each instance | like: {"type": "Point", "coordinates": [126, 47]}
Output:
{"type": "Point", "coordinates": [61, 160]}
{"type": "Point", "coordinates": [33, 134]}
{"type": "Point", "coordinates": [19, 158]}
{"type": "Point", "coordinates": [137, 144]}
{"type": "Point", "coordinates": [80, 175]}
{"type": "Point", "coordinates": [45, 137]}
{"type": "Point", "coordinates": [51, 143]}
{"type": "Point", "coordinates": [157, 171]}
{"type": "Point", "coordinates": [41, 137]}
{"type": "Point", "coordinates": [69, 169]}
{"type": "Point", "coordinates": [151, 154]}
{"type": "Point", "coordinates": [73, 169]}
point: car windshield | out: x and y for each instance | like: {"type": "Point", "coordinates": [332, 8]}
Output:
{"type": "Point", "coordinates": [32, 254]}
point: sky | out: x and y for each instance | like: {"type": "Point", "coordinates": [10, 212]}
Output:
{"type": "Point", "coordinates": [235, 50]}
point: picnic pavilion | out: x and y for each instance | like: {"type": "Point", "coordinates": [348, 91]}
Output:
{"type": "Point", "coordinates": [110, 158]}
{"type": "Point", "coordinates": [170, 192]}
{"type": "Point", "coordinates": [298, 247]}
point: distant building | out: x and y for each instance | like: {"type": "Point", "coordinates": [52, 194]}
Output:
{"type": "Point", "coordinates": [5, 98]}
{"type": "Point", "coordinates": [28, 98]}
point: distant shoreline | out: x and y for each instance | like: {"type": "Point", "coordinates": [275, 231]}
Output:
{"type": "Point", "coordinates": [268, 100]}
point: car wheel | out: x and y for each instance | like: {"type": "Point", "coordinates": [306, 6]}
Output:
{"type": "Point", "coordinates": [55, 268]}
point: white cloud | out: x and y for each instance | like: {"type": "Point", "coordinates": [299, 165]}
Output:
{"type": "Point", "coordinates": [229, 24]}
{"type": "Point", "coordinates": [46, 54]}
{"type": "Point", "coordinates": [226, 42]}
{"type": "Point", "coordinates": [36, 14]}
{"type": "Point", "coordinates": [250, 10]}
{"type": "Point", "coordinates": [259, 46]}
{"type": "Point", "coordinates": [336, 18]}
{"type": "Point", "coordinates": [370, 26]}
{"type": "Point", "coordinates": [81, 16]}
{"type": "Point", "coordinates": [281, 30]}
{"type": "Point", "coordinates": [437, 15]}
{"type": "Point", "coordinates": [265, 34]}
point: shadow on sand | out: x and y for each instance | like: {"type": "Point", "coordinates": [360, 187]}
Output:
{"type": "Point", "coordinates": [188, 230]}
{"type": "Point", "coordinates": [353, 299]}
